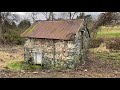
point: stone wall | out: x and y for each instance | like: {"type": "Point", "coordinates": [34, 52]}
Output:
{"type": "Point", "coordinates": [82, 52]}
{"type": "Point", "coordinates": [59, 53]}
{"type": "Point", "coordinates": [55, 53]}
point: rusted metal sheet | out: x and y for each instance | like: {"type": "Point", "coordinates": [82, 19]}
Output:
{"type": "Point", "coordinates": [60, 29]}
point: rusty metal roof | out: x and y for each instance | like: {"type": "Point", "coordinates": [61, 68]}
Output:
{"type": "Point", "coordinates": [60, 29]}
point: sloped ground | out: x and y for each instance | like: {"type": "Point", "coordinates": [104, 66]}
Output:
{"type": "Point", "coordinates": [102, 63]}
{"type": "Point", "coordinates": [10, 53]}
{"type": "Point", "coordinates": [96, 67]}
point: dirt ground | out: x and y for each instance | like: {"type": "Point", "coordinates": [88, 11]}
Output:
{"type": "Point", "coordinates": [94, 68]}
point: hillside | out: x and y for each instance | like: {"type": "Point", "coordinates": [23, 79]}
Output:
{"type": "Point", "coordinates": [103, 62]}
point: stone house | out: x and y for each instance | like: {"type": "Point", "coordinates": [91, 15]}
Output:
{"type": "Point", "coordinates": [58, 43]}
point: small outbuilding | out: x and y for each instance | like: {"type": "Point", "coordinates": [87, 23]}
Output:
{"type": "Point", "coordinates": [57, 43]}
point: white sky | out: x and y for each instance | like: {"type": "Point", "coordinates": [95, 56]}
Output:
{"type": "Point", "coordinates": [93, 13]}
{"type": "Point", "coordinates": [24, 15]}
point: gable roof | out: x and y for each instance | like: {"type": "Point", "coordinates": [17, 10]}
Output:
{"type": "Point", "coordinates": [60, 29]}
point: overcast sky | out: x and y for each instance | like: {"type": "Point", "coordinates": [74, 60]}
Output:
{"type": "Point", "coordinates": [25, 15]}
{"type": "Point", "coordinates": [93, 13]}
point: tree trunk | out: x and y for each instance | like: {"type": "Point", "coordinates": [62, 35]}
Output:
{"type": "Point", "coordinates": [70, 15]}
{"type": "Point", "coordinates": [51, 16]}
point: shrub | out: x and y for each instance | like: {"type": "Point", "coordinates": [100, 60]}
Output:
{"type": "Point", "coordinates": [113, 44]}
{"type": "Point", "coordinates": [94, 43]}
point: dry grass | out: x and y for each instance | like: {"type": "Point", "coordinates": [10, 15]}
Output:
{"type": "Point", "coordinates": [9, 54]}
{"type": "Point", "coordinates": [109, 32]}
{"type": "Point", "coordinates": [104, 54]}
{"type": "Point", "coordinates": [101, 48]}
{"type": "Point", "coordinates": [96, 67]}
{"type": "Point", "coordinates": [102, 62]}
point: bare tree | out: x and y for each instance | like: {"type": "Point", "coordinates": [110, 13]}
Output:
{"type": "Point", "coordinates": [51, 16]}
{"type": "Point", "coordinates": [63, 15]}
{"type": "Point", "coordinates": [9, 17]}
{"type": "Point", "coordinates": [103, 19]}
{"type": "Point", "coordinates": [34, 16]}
{"type": "Point", "coordinates": [6, 18]}
{"type": "Point", "coordinates": [45, 14]}
{"type": "Point", "coordinates": [81, 15]}
{"type": "Point", "coordinates": [68, 15]}
{"type": "Point", "coordinates": [71, 15]}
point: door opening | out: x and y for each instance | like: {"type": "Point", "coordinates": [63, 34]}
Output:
{"type": "Point", "coordinates": [37, 57]}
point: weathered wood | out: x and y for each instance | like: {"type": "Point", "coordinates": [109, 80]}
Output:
{"type": "Point", "coordinates": [82, 43]}
{"type": "Point", "coordinates": [54, 51]}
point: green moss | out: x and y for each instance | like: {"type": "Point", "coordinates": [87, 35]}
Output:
{"type": "Point", "coordinates": [18, 66]}
{"type": "Point", "coordinates": [15, 66]}
{"type": "Point", "coordinates": [29, 30]}
{"type": "Point", "coordinates": [35, 67]}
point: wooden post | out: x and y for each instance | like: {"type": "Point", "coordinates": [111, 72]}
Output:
{"type": "Point", "coordinates": [0, 30]}
{"type": "Point", "coordinates": [82, 35]}
{"type": "Point", "coordinates": [54, 51]}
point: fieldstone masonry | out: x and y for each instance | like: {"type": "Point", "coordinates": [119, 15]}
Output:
{"type": "Point", "coordinates": [58, 53]}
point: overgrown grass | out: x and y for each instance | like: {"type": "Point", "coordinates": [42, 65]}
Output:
{"type": "Point", "coordinates": [94, 43]}
{"type": "Point", "coordinates": [108, 51]}
{"type": "Point", "coordinates": [109, 32]}
{"type": "Point", "coordinates": [106, 55]}
{"type": "Point", "coordinates": [111, 56]}
{"type": "Point", "coordinates": [113, 44]}
{"type": "Point", "coordinates": [18, 66]}
{"type": "Point", "coordinates": [111, 36]}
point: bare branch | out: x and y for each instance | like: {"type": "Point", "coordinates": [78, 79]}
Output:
{"type": "Point", "coordinates": [34, 15]}
{"type": "Point", "coordinates": [45, 14]}
{"type": "Point", "coordinates": [74, 14]}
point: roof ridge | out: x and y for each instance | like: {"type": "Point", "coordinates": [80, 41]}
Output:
{"type": "Point", "coordinates": [59, 29]}
{"type": "Point", "coordinates": [57, 20]}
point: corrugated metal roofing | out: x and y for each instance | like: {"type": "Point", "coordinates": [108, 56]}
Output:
{"type": "Point", "coordinates": [60, 29]}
